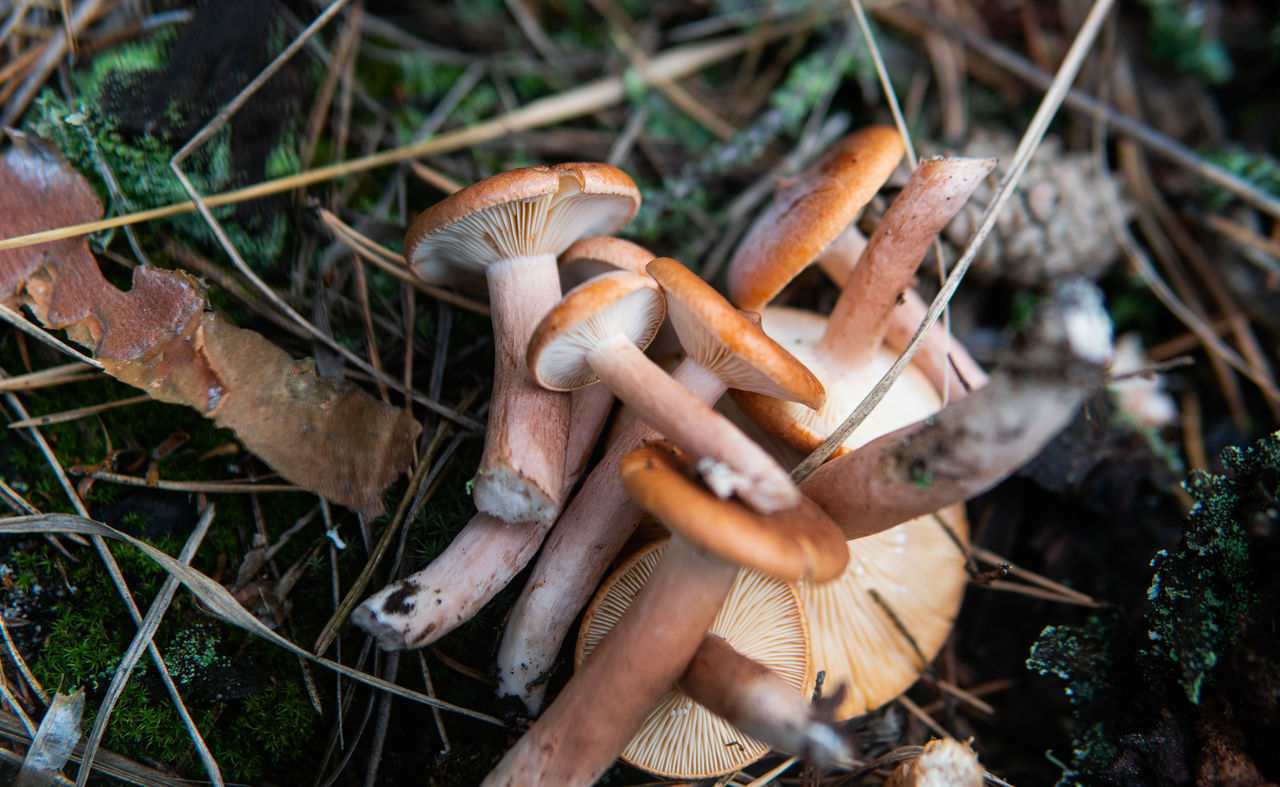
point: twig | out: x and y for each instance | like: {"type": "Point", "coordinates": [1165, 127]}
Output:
{"type": "Point", "coordinates": [46, 378]}
{"type": "Point", "coordinates": [78, 413]}
{"type": "Point", "coordinates": [209, 487]}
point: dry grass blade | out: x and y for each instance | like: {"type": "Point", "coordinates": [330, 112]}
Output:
{"type": "Point", "coordinates": [773, 773]}
{"type": "Point", "coordinates": [78, 413]}
{"type": "Point", "coordinates": [122, 588]}
{"type": "Point", "coordinates": [987, 556]}
{"type": "Point", "coordinates": [216, 599]}
{"type": "Point", "coordinates": [209, 487]}
{"type": "Point", "coordinates": [1030, 140]}
{"type": "Point", "coordinates": [55, 375]}
{"type": "Point", "coordinates": [146, 631]}
{"type": "Point", "coordinates": [593, 96]}
{"type": "Point", "coordinates": [107, 763]}
{"type": "Point", "coordinates": [393, 264]}
{"type": "Point", "coordinates": [44, 337]}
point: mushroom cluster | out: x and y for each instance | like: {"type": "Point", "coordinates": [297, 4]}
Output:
{"type": "Point", "coordinates": [864, 558]}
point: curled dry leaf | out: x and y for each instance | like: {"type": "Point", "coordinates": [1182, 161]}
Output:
{"type": "Point", "coordinates": [328, 437]}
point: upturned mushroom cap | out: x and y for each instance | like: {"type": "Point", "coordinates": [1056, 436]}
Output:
{"type": "Point", "coordinates": [809, 211]}
{"type": "Point", "coordinates": [794, 543]}
{"type": "Point", "coordinates": [612, 304]}
{"type": "Point", "coordinates": [721, 338]}
{"type": "Point", "coordinates": [519, 213]}
{"type": "Point", "coordinates": [762, 619]}
{"type": "Point", "coordinates": [599, 254]}
{"type": "Point", "coordinates": [913, 396]}
{"type": "Point", "coordinates": [916, 571]}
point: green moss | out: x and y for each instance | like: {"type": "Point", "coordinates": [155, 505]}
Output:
{"type": "Point", "coordinates": [1202, 601]}
{"type": "Point", "coordinates": [1177, 35]}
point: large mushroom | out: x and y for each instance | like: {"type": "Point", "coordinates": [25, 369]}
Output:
{"type": "Point", "coordinates": [580, 734]}
{"type": "Point", "coordinates": [724, 349]}
{"type": "Point", "coordinates": [744, 693]}
{"type": "Point", "coordinates": [511, 227]}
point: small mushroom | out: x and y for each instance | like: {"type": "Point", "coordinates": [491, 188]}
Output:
{"type": "Point", "coordinates": [809, 212]}
{"type": "Point", "coordinates": [512, 227]}
{"type": "Point", "coordinates": [598, 332]}
{"type": "Point", "coordinates": [846, 350]}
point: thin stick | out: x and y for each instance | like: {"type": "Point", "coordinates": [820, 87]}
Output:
{"type": "Point", "coordinates": [78, 413]}
{"type": "Point", "coordinates": [768, 776]}
{"type": "Point", "coordinates": [21, 664]}
{"type": "Point", "coordinates": [47, 378]}
{"type": "Point", "coordinates": [987, 556]}
{"type": "Point", "coordinates": [210, 487]}
{"type": "Point", "coordinates": [1030, 140]}
{"type": "Point", "coordinates": [593, 96]}
{"type": "Point", "coordinates": [928, 720]}
{"type": "Point", "coordinates": [18, 321]}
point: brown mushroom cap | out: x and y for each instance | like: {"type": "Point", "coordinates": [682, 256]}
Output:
{"type": "Point", "coordinates": [599, 254]}
{"type": "Point", "coordinates": [721, 338]}
{"type": "Point", "coordinates": [762, 619]}
{"type": "Point", "coordinates": [913, 396]}
{"type": "Point", "coordinates": [519, 213]}
{"type": "Point", "coordinates": [612, 304]}
{"type": "Point", "coordinates": [809, 211]}
{"type": "Point", "coordinates": [790, 544]}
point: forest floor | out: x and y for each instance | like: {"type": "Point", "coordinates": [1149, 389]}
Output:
{"type": "Point", "coordinates": [1158, 179]}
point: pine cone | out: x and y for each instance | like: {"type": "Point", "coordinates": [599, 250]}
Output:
{"type": "Point", "coordinates": [1055, 225]}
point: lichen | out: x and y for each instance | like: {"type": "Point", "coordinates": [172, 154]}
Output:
{"type": "Point", "coordinates": [1137, 683]}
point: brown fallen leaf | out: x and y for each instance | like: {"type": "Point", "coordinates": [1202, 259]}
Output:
{"type": "Point", "coordinates": [159, 336]}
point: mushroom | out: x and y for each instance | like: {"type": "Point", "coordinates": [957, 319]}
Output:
{"type": "Point", "coordinates": [512, 226]}
{"type": "Point", "coordinates": [598, 332]}
{"type": "Point", "coordinates": [846, 350]}
{"type": "Point", "coordinates": [752, 675]}
{"type": "Point", "coordinates": [962, 450]}
{"type": "Point", "coordinates": [944, 762]}
{"type": "Point", "coordinates": [580, 734]}
{"type": "Point", "coordinates": [599, 519]}
{"type": "Point", "coordinates": [809, 212]}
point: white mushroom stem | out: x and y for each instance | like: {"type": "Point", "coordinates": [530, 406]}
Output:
{"type": "Point", "coordinates": [522, 470]}
{"type": "Point", "coordinates": [936, 191]}
{"type": "Point", "coordinates": [610, 695]}
{"type": "Point", "coordinates": [578, 552]}
{"type": "Point", "coordinates": [945, 362]}
{"type": "Point", "coordinates": [973, 444]}
{"type": "Point", "coordinates": [480, 560]}
{"type": "Point", "coordinates": [729, 461]}
{"type": "Point", "coordinates": [760, 703]}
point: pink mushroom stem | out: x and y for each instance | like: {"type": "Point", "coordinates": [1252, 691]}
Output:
{"type": "Point", "coordinates": [936, 191]}
{"type": "Point", "coordinates": [740, 464]}
{"type": "Point", "coordinates": [480, 560]}
{"type": "Point", "coordinates": [528, 425]}
{"type": "Point", "coordinates": [640, 659]}
{"type": "Point", "coordinates": [944, 361]}
{"type": "Point", "coordinates": [586, 539]}
{"type": "Point", "coordinates": [759, 702]}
